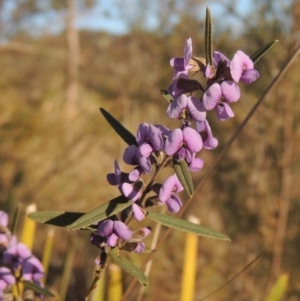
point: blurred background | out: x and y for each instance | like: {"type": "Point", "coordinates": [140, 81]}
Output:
{"type": "Point", "coordinates": [62, 60]}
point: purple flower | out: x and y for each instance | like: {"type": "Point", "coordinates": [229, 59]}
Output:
{"type": "Point", "coordinates": [32, 269]}
{"type": "Point", "coordinates": [149, 138]}
{"type": "Point", "coordinates": [218, 56]}
{"type": "Point", "coordinates": [113, 230]}
{"type": "Point", "coordinates": [183, 142]}
{"type": "Point", "coordinates": [133, 156]}
{"type": "Point", "coordinates": [209, 142]}
{"type": "Point", "coordinates": [140, 247]}
{"type": "Point", "coordinates": [186, 108]}
{"type": "Point", "coordinates": [167, 193]}
{"type": "Point", "coordinates": [181, 67]}
{"type": "Point", "coordinates": [16, 253]}
{"type": "Point", "coordinates": [217, 96]}
{"type": "Point", "coordinates": [6, 279]}
{"type": "Point", "coordinates": [196, 163]}
{"type": "Point", "coordinates": [131, 191]}
{"type": "Point", "coordinates": [242, 68]}
{"type": "Point", "coordinates": [3, 219]}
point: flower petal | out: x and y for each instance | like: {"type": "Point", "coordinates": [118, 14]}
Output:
{"type": "Point", "coordinates": [212, 96]}
{"type": "Point", "coordinates": [196, 109]}
{"type": "Point", "coordinates": [112, 240]}
{"type": "Point", "coordinates": [136, 174]}
{"type": "Point", "coordinates": [170, 186]}
{"type": "Point", "coordinates": [249, 76]}
{"type": "Point", "coordinates": [239, 63]}
{"type": "Point", "coordinates": [209, 142]}
{"type": "Point", "coordinates": [224, 111]}
{"type": "Point", "coordinates": [177, 106]}
{"type": "Point", "coordinates": [146, 149]}
{"type": "Point", "coordinates": [129, 191]}
{"type": "Point", "coordinates": [139, 248]}
{"type": "Point", "coordinates": [174, 204]}
{"type": "Point", "coordinates": [192, 140]}
{"type": "Point", "coordinates": [218, 56]}
{"type": "Point", "coordinates": [230, 91]}
{"type": "Point", "coordinates": [188, 48]}
{"type": "Point", "coordinates": [122, 230]}
{"type": "Point", "coordinates": [196, 164]}
{"type": "Point", "coordinates": [129, 155]}
{"type": "Point", "coordinates": [142, 133]}
{"type": "Point", "coordinates": [155, 138]}
{"type": "Point", "coordinates": [173, 142]}
{"type": "Point", "coordinates": [3, 219]}
{"type": "Point", "coordinates": [177, 63]}
{"type": "Point", "coordinates": [105, 228]}
{"type": "Point", "coordinates": [138, 212]}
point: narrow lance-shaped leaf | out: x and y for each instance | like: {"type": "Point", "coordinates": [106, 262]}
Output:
{"type": "Point", "coordinates": [126, 135]}
{"type": "Point", "coordinates": [184, 175]}
{"type": "Point", "coordinates": [55, 218]}
{"type": "Point", "coordinates": [37, 289]}
{"type": "Point", "coordinates": [208, 37]}
{"type": "Point", "coordinates": [262, 51]}
{"type": "Point", "coordinates": [102, 212]}
{"type": "Point", "coordinates": [166, 95]}
{"type": "Point", "coordinates": [180, 224]}
{"type": "Point", "coordinates": [128, 266]}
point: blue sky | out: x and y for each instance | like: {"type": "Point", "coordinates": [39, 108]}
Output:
{"type": "Point", "coordinates": [105, 16]}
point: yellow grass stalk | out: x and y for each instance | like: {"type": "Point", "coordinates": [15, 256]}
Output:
{"type": "Point", "coordinates": [279, 288]}
{"type": "Point", "coordinates": [189, 264]}
{"type": "Point", "coordinates": [47, 252]}
{"type": "Point", "coordinates": [98, 293]}
{"type": "Point", "coordinates": [28, 232]}
{"type": "Point", "coordinates": [115, 289]}
{"type": "Point", "coordinates": [64, 283]}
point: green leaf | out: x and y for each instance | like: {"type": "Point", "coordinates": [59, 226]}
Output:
{"type": "Point", "coordinates": [184, 175]}
{"type": "Point", "coordinates": [127, 136]}
{"type": "Point", "coordinates": [180, 224]}
{"type": "Point", "coordinates": [208, 37]}
{"type": "Point", "coordinates": [55, 218]}
{"type": "Point", "coordinates": [128, 266]}
{"type": "Point", "coordinates": [166, 95]}
{"type": "Point", "coordinates": [102, 212]}
{"type": "Point", "coordinates": [37, 289]}
{"type": "Point", "coordinates": [259, 53]}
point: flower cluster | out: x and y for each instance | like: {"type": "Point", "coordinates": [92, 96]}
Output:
{"type": "Point", "coordinates": [158, 147]}
{"type": "Point", "coordinates": [16, 261]}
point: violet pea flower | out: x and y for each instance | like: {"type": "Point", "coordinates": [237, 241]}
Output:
{"type": "Point", "coordinates": [16, 253]}
{"type": "Point", "coordinates": [6, 279]}
{"type": "Point", "coordinates": [242, 68]}
{"type": "Point", "coordinates": [32, 269]}
{"type": "Point", "coordinates": [133, 156]}
{"type": "Point", "coordinates": [3, 219]}
{"type": "Point", "coordinates": [149, 138]}
{"type": "Point", "coordinates": [218, 95]}
{"type": "Point", "coordinates": [195, 164]}
{"type": "Point", "coordinates": [181, 67]}
{"type": "Point", "coordinates": [183, 142]}
{"type": "Point", "coordinates": [209, 142]}
{"type": "Point", "coordinates": [167, 193]}
{"type": "Point", "coordinates": [113, 230]}
{"type": "Point", "coordinates": [186, 108]}
{"type": "Point", "coordinates": [131, 191]}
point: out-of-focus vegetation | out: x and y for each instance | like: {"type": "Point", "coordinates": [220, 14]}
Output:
{"type": "Point", "coordinates": [56, 148]}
